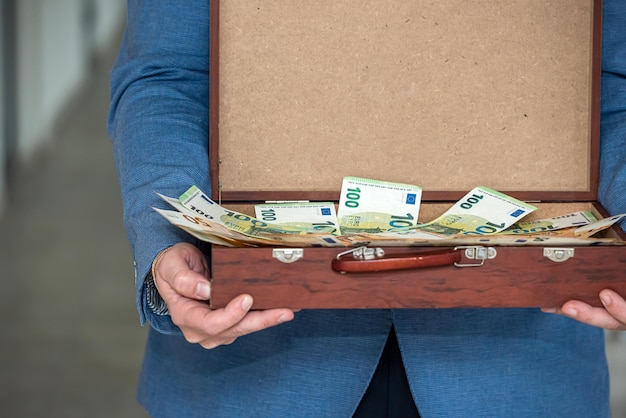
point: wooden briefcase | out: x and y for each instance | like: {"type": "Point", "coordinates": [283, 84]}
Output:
{"type": "Point", "coordinates": [446, 95]}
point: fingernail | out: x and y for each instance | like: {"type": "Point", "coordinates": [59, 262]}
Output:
{"type": "Point", "coordinates": [606, 299]}
{"type": "Point", "coordinates": [571, 312]}
{"type": "Point", "coordinates": [282, 318]}
{"type": "Point", "coordinates": [246, 303]}
{"type": "Point", "coordinates": [549, 310]}
{"type": "Point", "coordinates": [203, 290]}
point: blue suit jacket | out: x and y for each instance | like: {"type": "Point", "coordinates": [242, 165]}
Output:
{"type": "Point", "coordinates": [464, 362]}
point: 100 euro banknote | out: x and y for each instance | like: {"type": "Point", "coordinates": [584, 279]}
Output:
{"type": "Point", "coordinates": [570, 220]}
{"type": "Point", "coordinates": [482, 211]}
{"type": "Point", "coordinates": [196, 201]}
{"type": "Point", "coordinates": [315, 217]}
{"type": "Point", "coordinates": [373, 206]}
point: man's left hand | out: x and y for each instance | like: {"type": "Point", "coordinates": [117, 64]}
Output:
{"type": "Point", "coordinates": [612, 316]}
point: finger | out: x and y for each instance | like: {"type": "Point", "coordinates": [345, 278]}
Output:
{"type": "Point", "coordinates": [200, 323]}
{"type": "Point", "coordinates": [597, 317]}
{"type": "Point", "coordinates": [191, 316]}
{"type": "Point", "coordinates": [235, 320]}
{"type": "Point", "coordinates": [194, 258]}
{"type": "Point", "coordinates": [260, 320]}
{"type": "Point", "coordinates": [211, 328]}
{"type": "Point", "coordinates": [182, 270]}
{"type": "Point", "coordinates": [190, 284]}
{"type": "Point", "coordinates": [253, 322]}
{"type": "Point", "coordinates": [223, 326]}
{"type": "Point", "coordinates": [614, 304]}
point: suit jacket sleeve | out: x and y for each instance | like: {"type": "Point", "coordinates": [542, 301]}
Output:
{"type": "Point", "coordinates": [612, 188]}
{"type": "Point", "coordinates": [158, 123]}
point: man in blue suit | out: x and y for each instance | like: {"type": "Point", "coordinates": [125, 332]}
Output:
{"type": "Point", "coordinates": [437, 363]}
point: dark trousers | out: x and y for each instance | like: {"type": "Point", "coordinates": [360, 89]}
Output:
{"type": "Point", "coordinates": [388, 394]}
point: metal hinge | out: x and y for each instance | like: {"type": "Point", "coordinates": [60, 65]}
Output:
{"type": "Point", "coordinates": [287, 255]}
{"type": "Point", "coordinates": [558, 255]}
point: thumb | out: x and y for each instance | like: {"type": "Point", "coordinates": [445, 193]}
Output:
{"type": "Point", "coordinates": [191, 284]}
{"type": "Point", "coordinates": [182, 270]}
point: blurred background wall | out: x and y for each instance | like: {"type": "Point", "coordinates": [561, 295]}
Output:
{"type": "Point", "coordinates": [70, 340]}
{"type": "Point", "coordinates": [48, 48]}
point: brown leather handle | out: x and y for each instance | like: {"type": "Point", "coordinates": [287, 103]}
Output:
{"type": "Point", "coordinates": [401, 261]}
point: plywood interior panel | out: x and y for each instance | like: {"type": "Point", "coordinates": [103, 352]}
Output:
{"type": "Point", "coordinates": [443, 94]}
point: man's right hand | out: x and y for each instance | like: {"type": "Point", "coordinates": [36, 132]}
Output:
{"type": "Point", "coordinates": [181, 277]}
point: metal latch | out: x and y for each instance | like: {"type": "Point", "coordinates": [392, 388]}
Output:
{"type": "Point", "coordinates": [287, 255]}
{"type": "Point", "coordinates": [476, 253]}
{"type": "Point", "coordinates": [558, 255]}
{"type": "Point", "coordinates": [363, 253]}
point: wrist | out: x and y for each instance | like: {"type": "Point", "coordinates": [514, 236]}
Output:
{"type": "Point", "coordinates": [156, 260]}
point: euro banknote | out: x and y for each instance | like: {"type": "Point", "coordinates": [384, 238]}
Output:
{"type": "Point", "coordinates": [315, 217]}
{"type": "Point", "coordinates": [482, 211]}
{"type": "Point", "coordinates": [482, 217]}
{"type": "Point", "coordinates": [373, 206]}
{"type": "Point", "coordinates": [201, 229]}
{"type": "Point", "coordinates": [196, 201]}
{"type": "Point", "coordinates": [570, 220]}
{"type": "Point", "coordinates": [601, 225]}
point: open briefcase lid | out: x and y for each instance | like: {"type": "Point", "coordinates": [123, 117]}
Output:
{"type": "Point", "coordinates": [446, 95]}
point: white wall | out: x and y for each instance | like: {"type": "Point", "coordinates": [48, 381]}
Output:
{"type": "Point", "coordinates": [63, 67]}
{"type": "Point", "coordinates": [29, 80]}
{"type": "Point", "coordinates": [2, 123]}
{"type": "Point", "coordinates": [54, 47]}
{"type": "Point", "coordinates": [110, 14]}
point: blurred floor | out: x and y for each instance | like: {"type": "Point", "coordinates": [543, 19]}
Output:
{"type": "Point", "coordinates": [70, 343]}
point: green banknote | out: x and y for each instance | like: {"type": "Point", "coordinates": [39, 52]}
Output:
{"type": "Point", "coordinates": [482, 211]}
{"type": "Point", "coordinates": [315, 217]}
{"type": "Point", "coordinates": [373, 206]}
{"type": "Point", "coordinates": [202, 229]}
{"type": "Point", "coordinates": [201, 219]}
{"type": "Point", "coordinates": [597, 226]}
{"type": "Point", "coordinates": [196, 201]}
{"type": "Point", "coordinates": [483, 216]}
{"type": "Point", "coordinates": [571, 220]}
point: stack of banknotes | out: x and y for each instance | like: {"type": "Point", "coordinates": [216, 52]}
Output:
{"type": "Point", "coordinates": [373, 212]}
